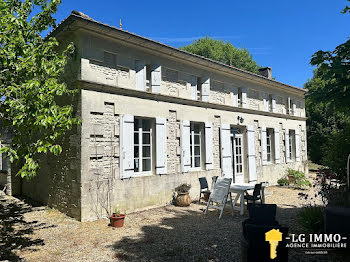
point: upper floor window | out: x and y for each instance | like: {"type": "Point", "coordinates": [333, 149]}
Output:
{"type": "Point", "coordinates": [199, 88]}
{"type": "Point", "coordinates": [143, 144]}
{"type": "Point", "coordinates": [239, 97]}
{"type": "Point", "coordinates": [195, 144]}
{"type": "Point", "coordinates": [270, 106]}
{"type": "Point", "coordinates": [148, 77]}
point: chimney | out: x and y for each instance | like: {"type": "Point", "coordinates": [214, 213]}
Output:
{"type": "Point", "coordinates": [266, 72]}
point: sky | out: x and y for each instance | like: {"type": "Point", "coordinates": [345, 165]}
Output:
{"type": "Point", "coordinates": [280, 34]}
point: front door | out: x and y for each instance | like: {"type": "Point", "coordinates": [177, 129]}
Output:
{"type": "Point", "coordinates": [237, 157]}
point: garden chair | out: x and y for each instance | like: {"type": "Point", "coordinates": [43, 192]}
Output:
{"type": "Point", "coordinates": [204, 188]}
{"type": "Point", "coordinates": [219, 195]}
{"type": "Point", "coordinates": [256, 194]}
{"type": "Point", "coordinates": [213, 181]}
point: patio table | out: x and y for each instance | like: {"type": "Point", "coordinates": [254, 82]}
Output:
{"type": "Point", "coordinates": [239, 189]}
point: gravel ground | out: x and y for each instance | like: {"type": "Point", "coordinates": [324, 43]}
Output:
{"type": "Point", "coordinates": [170, 233]}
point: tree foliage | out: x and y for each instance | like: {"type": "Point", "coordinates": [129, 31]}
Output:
{"type": "Point", "coordinates": [223, 52]}
{"type": "Point", "coordinates": [328, 105]}
{"type": "Point", "coordinates": [30, 84]}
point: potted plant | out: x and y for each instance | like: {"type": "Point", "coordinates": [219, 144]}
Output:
{"type": "Point", "coordinates": [290, 175]}
{"type": "Point", "coordinates": [183, 197]}
{"type": "Point", "coordinates": [117, 219]}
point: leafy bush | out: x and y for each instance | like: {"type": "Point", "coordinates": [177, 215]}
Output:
{"type": "Point", "coordinates": [184, 188]}
{"type": "Point", "coordinates": [283, 181]}
{"type": "Point", "coordinates": [311, 219]}
{"type": "Point", "coordinates": [299, 178]}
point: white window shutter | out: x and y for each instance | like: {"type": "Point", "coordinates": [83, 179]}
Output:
{"type": "Point", "coordinates": [277, 145]}
{"type": "Point", "coordinates": [263, 146]}
{"type": "Point", "coordinates": [126, 160]}
{"type": "Point", "coordinates": [251, 154]}
{"type": "Point", "coordinates": [156, 78]}
{"type": "Point", "coordinates": [297, 145]}
{"type": "Point", "coordinates": [161, 146]}
{"type": "Point", "coordinates": [194, 87]}
{"type": "Point", "coordinates": [266, 101]}
{"type": "Point", "coordinates": [244, 97]}
{"type": "Point", "coordinates": [226, 151]}
{"type": "Point", "coordinates": [209, 163]}
{"type": "Point", "coordinates": [140, 68]}
{"type": "Point", "coordinates": [185, 146]}
{"type": "Point", "coordinates": [206, 90]}
{"type": "Point", "coordinates": [235, 96]}
{"type": "Point", "coordinates": [273, 103]}
{"type": "Point", "coordinates": [286, 139]}
{"type": "Point", "coordinates": [294, 108]}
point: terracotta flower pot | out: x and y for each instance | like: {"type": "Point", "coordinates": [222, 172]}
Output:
{"type": "Point", "coordinates": [291, 179]}
{"type": "Point", "coordinates": [183, 199]}
{"type": "Point", "coordinates": [117, 221]}
{"type": "Point", "coordinates": [206, 196]}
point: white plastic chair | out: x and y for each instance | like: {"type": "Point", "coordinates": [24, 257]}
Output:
{"type": "Point", "coordinates": [219, 195]}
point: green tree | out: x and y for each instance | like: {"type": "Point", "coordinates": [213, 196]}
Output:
{"type": "Point", "coordinates": [334, 65]}
{"type": "Point", "coordinates": [223, 52]}
{"type": "Point", "coordinates": [328, 105]}
{"type": "Point", "coordinates": [30, 83]}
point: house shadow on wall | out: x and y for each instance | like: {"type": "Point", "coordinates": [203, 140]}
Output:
{"type": "Point", "coordinates": [15, 232]}
{"type": "Point", "coordinates": [193, 236]}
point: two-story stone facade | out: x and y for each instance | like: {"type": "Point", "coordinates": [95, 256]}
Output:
{"type": "Point", "coordinates": [154, 117]}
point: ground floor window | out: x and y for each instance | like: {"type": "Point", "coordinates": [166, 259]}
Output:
{"type": "Point", "coordinates": [291, 144]}
{"type": "Point", "coordinates": [142, 144]}
{"type": "Point", "coordinates": [195, 144]}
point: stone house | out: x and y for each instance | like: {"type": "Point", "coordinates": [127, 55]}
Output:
{"type": "Point", "coordinates": [154, 117]}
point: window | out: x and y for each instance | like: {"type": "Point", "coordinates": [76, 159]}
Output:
{"type": "Point", "coordinates": [195, 145]}
{"type": "Point", "coordinates": [270, 103]}
{"type": "Point", "coordinates": [199, 88]}
{"type": "Point", "coordinates": [291, 144]}
{"type": "Point", "coordinates": [269, 145]}
{"type": "Point", "coordinates": [289, 106]}
{"type": "Point", "coordinates": [148, 77]}
{"type": "Point", "coordinates": [239, 97]}
{"type": "Point", "coordinates": [142, 145]}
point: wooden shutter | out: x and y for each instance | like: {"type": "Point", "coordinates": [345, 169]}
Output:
{"type": "Point", "coordinates": [263, 146]}
{"type": "Point", "coordinates": [126, 160]}
{"type": "Point", "coordinates": [266, 101]}
{"type": "Point", "coordinates": [209, 164]}
{"type": "Point", "coordinates": [226, 150]}
{"type": "Point", "coordinates": [194, 87]}
{"type": "Point", "coordinates": [140, 67]}
{"type": "Point", "coordinates": [297, 145]}
{"type": "Point", "coordinates": [286, 139]}
{"type": "Point", "coordinates": [273, 103]}
{"type": "Point", "coordinates": [161, 146]}
{"type": "Point", "coordinates": [235, 96]}
{"type": "Point", "coordinates": [294, 108]}
{"type": "Point", "coordinates": [251, 154]}
{"type": "Point", "coordinates": [206, 90]}
{"type": "Point", "coordinates": [156, 78]}
{"type": "Point", "coordinates": [277, 145]}
{"type": "Point", "coordinates": [185, 145]}
{"type": "Point", "coordinates": [244, 97]}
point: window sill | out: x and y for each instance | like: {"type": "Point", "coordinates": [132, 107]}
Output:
{"type": "Point", "coordinates": [142, 174]}
{"type": "Point", "coordinates": [196, 169]}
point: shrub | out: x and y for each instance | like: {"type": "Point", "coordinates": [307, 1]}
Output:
{"type": "Point", "coordinates": [184, 188]}
{"type": "Point", "coordinates": [283, 181]}
{"type": "Point", "coordinates": [299, 178]}
{"type": "Point", "coordinates": [311, 219]}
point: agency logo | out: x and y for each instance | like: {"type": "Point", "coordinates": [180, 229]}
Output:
{"type": "Point", "coordinates": [273, 237]}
